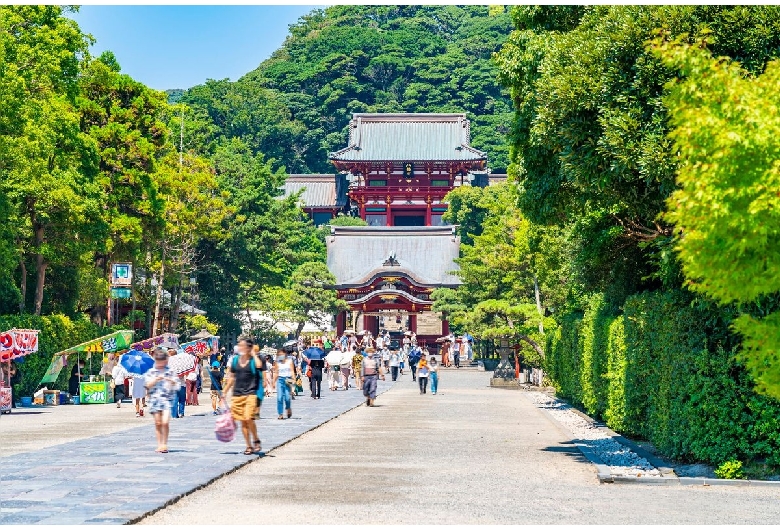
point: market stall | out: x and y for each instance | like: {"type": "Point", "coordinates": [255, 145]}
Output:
{"type": "Point", "coordinates": [14, 344]}
{"type": "Point", "coordinates": [97, 389]}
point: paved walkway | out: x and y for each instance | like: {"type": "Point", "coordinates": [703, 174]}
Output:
{"type": "Point", "coordinates": [111, 474]}
{"type": "Point", "coordinates": [470, 455]}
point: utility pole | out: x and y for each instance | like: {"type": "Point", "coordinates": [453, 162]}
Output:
{"type": "Point", "coordinates": [181, 139]}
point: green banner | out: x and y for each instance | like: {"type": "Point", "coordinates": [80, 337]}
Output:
{"type": "Point", "coordinates": [117, 341]}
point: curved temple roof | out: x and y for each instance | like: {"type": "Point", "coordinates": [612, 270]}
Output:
{"type": "Point", "coordinates": [427, 253]}
{"type": "Point", "coordinates": [409, 138]}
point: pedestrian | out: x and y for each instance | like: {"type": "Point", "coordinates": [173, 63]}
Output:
{"type": "Point", "coordinates": [242, 379]}
{"type": "Point", "coordinates": [414, 359]}
{"type": "Point", "coordinates": [180, 399]}
{"type": "Point", "coordinates": [269, 375]}
{"type": "Point", "coordinates": [346, 363]}
{"type": "Point", "coordinates": [357, 363]}
{"type": "Point", "coordinates": [445, 354]}
{"type": "Point", "coordinates": [402, 361]}
{"type": "Point", "coordinates": [386, 358]}
{"type": "Point", "coordinates": [161, 383]}
{"type": "Point", "coordinates": [433, 368]}
{"type": "Point", "coordinates": [118, 375]}
{"type": "Point", "coordinates": [422, 374]}
{"type": "Point", "coordinates": [394, 363]}
{"type": "Point", "coordinates": [76, 375]}
{"type": "Point", "coordinates": [314, 358]}
{"type": "Point", "coordinates": [217, 376]}
{"type": "Point", "coordinates": [259, 375]}
{"type": "Point", "coordinates": [139, 395]}
{"type": "Point", "coordinates": [191, 381]}
{"type": "Point", "coordinates": [334, 379]}
{"type": "Point", "coordinates": [284, 371]}
{"type": "Point", "coordinates": [371, 372]}
{"type": "Point", "coordinates": [456, 353]}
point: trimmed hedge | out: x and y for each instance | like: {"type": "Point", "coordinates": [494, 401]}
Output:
{"type": "Point", "coordinates": [652, 372]}
{"type": "Point", "coordinates": [57, 333]}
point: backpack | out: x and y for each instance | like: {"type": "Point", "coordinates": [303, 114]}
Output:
{"type": "Point", "coordinates": [258, 378]}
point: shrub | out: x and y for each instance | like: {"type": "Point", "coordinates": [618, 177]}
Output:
{"type": "Point", "coordinates": [665, 371]}
{"type": "Point", "coordinates": [593, 342]}
{"type": "Point", "coordinates": [730, 469]}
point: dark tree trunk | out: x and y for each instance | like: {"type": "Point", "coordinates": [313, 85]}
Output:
{"type": "Point", "coordinates": [176, 309]}
{"type": "Point", "coordinates": [40, 269]}
{"type": "Point", "coordinates": [22, 284]}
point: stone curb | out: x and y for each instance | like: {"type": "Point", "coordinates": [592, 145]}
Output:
{"type": "Point", "coordinates": [667, 478]}
{"type": "Point", "coordinates": [176, 499]}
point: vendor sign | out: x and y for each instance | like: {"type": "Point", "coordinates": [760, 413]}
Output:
{"type": "Point", "coordinates": [18, 343]}
{"type": "Point", "coordinates": [166, 340]}
{"type": "Point", "coordinates": [201, 347]}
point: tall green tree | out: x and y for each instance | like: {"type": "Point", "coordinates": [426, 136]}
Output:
{"type": "Point", "coordinates": [727, 208]}
{"type": "Point", "coordinates": [47, 162]}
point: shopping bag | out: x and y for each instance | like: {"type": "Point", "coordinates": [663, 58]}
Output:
{"type": "Point", "coordinates": [225, 427]}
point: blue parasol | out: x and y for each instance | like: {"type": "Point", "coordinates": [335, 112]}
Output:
{"type": "Point", "coordinates": [136, 362]}
{"type": "Point", "coordinates": [469, 337]}
{"type": "Point", "coordinates": [314, 354]}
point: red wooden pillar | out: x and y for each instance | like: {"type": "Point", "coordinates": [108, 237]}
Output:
{"type": "Point", "coordinates": [428, 212]}
{"type": "Point", "coordinates": [389, 212]}
{"type": "Point", "coordinates": [413, 323]}
{"type": "Point", "coordinates": [341, 323]}
{"type": "Point", "coordinates": [366, 323]}
{"type": "Point", "coordinates": [445, 327]}
{"type": "Point", "coordinates": [363, 208]}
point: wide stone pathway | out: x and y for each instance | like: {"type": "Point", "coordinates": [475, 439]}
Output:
{"type": "Point", "coordinates": [469, 455]}
{"type": "Point", "coordinates": [115, 478]}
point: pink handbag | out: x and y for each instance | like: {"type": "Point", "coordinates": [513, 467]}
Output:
{"type": "Point", "coordinates": [225, 427]}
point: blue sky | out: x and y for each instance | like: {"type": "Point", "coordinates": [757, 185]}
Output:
{"type": "Point", "coordinates": [181, 46]}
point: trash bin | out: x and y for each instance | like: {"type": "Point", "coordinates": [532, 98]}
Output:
{"type": "Point", "coordinates": [27, 401]}
{"type": "Point", "coordinates": [75, 400]}
{"type": "Point", "coordinates": [64, 398]}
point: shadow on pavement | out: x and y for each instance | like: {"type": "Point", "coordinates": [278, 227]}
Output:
{"type": "Point", "coordinates": [568, 449]}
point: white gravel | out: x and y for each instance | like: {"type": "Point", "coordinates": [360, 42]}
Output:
{"type": "Point", "coordinates": [621, 460]}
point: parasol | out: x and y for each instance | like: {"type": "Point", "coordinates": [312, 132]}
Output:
{"type": "Point", "coordinates": [182, 363]}
{"type": "Point", "coordinates": [334, 357]}
{"type": "Point", "coordinates": [408, 333]}
{"type": "Point", "coordinates": [349, 331]}
{"type": "Point", "coordinates": [136, 362]}
{"type": "Point", "coordinates": [313, 354]}
{"type": "Point", "coordinates": [202, 334]}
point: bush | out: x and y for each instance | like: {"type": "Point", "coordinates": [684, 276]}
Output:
{"type": "Point", "coordinates": [57, 333]}
{"type": "Point", "coordinates": [730, 469]}
{"type": "Point", "coordinates": [593, 341]}
{"type": "Point", "coordinates": [660, 371]}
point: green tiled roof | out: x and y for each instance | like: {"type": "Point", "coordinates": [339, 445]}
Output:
{"type": "Point", "coordinates": [409, 138]}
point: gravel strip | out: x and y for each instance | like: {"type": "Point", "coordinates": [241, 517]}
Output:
{"type": "Point", "coordinates": [620, 459]}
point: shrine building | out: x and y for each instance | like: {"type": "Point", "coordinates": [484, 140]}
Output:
{"type": "Point", "coordinates": [399, 168]}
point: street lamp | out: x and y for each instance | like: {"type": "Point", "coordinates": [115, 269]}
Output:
{"type": "Point", "coordinates": [504, 374]}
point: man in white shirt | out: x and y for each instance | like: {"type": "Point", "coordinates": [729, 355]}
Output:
{"type": "Point", "coordinates": [118, 375]}
{"type": "Point", "coordinates": [380, 342]}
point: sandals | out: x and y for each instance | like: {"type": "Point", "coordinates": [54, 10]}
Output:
{"type": "Point", "coordinates": [163, 449]}
{"type": "Point", "coordinates": [249, 451]}
{"type": "Point", "coordinates": [280, 417]}
{"type": "Point", "coordinates": [289, 413]}
{"type": "Point", "coordinates": [258, 447]}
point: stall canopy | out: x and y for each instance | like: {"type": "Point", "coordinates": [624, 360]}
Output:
{"type": "Point", "coordinates": [112, 343]}
{"type": "Point", "coordinates": [18, 343]}
{"type": "Point", "coordinates": [202, 347]}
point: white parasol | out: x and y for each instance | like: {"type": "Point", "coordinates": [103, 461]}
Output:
{"type": "Point", "coordinates": [182, 363]}
{"type": "Point", "coordinates": [334, 357]}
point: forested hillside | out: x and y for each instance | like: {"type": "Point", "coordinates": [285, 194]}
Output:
{"type": "Point", "coordinates": [295, 107]}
